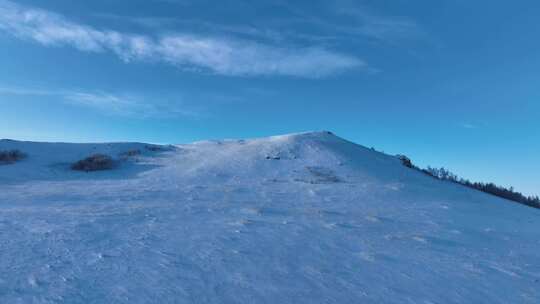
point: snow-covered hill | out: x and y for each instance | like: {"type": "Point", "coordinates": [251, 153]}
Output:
{"type": "Point", "coordinates": [301, 218]}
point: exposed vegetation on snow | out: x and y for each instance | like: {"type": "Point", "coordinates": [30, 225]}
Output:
{"type": "Point", "coordinates": [11, 156]}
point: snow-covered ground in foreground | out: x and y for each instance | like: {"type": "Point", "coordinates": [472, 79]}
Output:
{"type": "Point", "coordinates": [302, 218]}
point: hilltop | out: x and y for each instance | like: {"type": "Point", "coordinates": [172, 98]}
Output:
{"type": "Point", "coordinates": [299, 218]}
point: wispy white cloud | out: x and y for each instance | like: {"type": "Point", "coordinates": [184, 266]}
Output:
{"type": "Point", "coordinates": [346, 20]}
{"type": "Point", "coordinates": [368, 23]}
{"type": "Point", "coordinates": [471, 125]}
{"type": "Point", "coordinates": [105, 102]}
{"type": "Point", "coordinates": [232, 57]}
{"type": "Point", "coordinates": [466, 125]}
{"type": "Point", "coordinates": [329, 22]}
{"type": "Point", "coordinates": [129, 105]}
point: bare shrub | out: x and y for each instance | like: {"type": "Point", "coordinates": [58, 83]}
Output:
{"type": "Point", "coordinates": [131, 153]}
{"type": "Point", "coordinates": [154, 148]}
{"type": "Point", "coordinates": [323, 175]}
{"type": "Point", "coordinates": [11, 156]}
{"type": "Point", "coordinates": [96, 162]}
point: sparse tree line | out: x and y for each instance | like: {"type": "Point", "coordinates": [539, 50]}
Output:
{"type": "Point", "coordinates": [491, 188]}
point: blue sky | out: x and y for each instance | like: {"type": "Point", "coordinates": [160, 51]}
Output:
{"type": "Point", "coordinates": [449, 83]}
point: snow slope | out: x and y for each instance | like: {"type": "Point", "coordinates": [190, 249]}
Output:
{"type": "Point", "coordinates": [301, 218]}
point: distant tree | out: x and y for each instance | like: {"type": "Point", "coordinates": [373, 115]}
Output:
{"type": "Point", "coordinates": [405, 161]}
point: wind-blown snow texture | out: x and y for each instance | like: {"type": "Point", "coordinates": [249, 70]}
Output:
{"type": "Point", "coordinates": [302, 218]}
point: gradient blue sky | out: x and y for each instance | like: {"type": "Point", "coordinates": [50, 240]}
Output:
{"type": "Point", "coordinates": [451, 83]}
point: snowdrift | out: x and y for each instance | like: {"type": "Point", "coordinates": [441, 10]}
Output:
{"type": "Point", "coordinates": [300, 218]}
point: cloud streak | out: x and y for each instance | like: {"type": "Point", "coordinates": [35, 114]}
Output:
{"type": "Point", "coordinates": [229, 57]}
{"type": "Point", "coordinates": [331, 22]}
{"type": "Point", "coordinates": [128, 105]}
